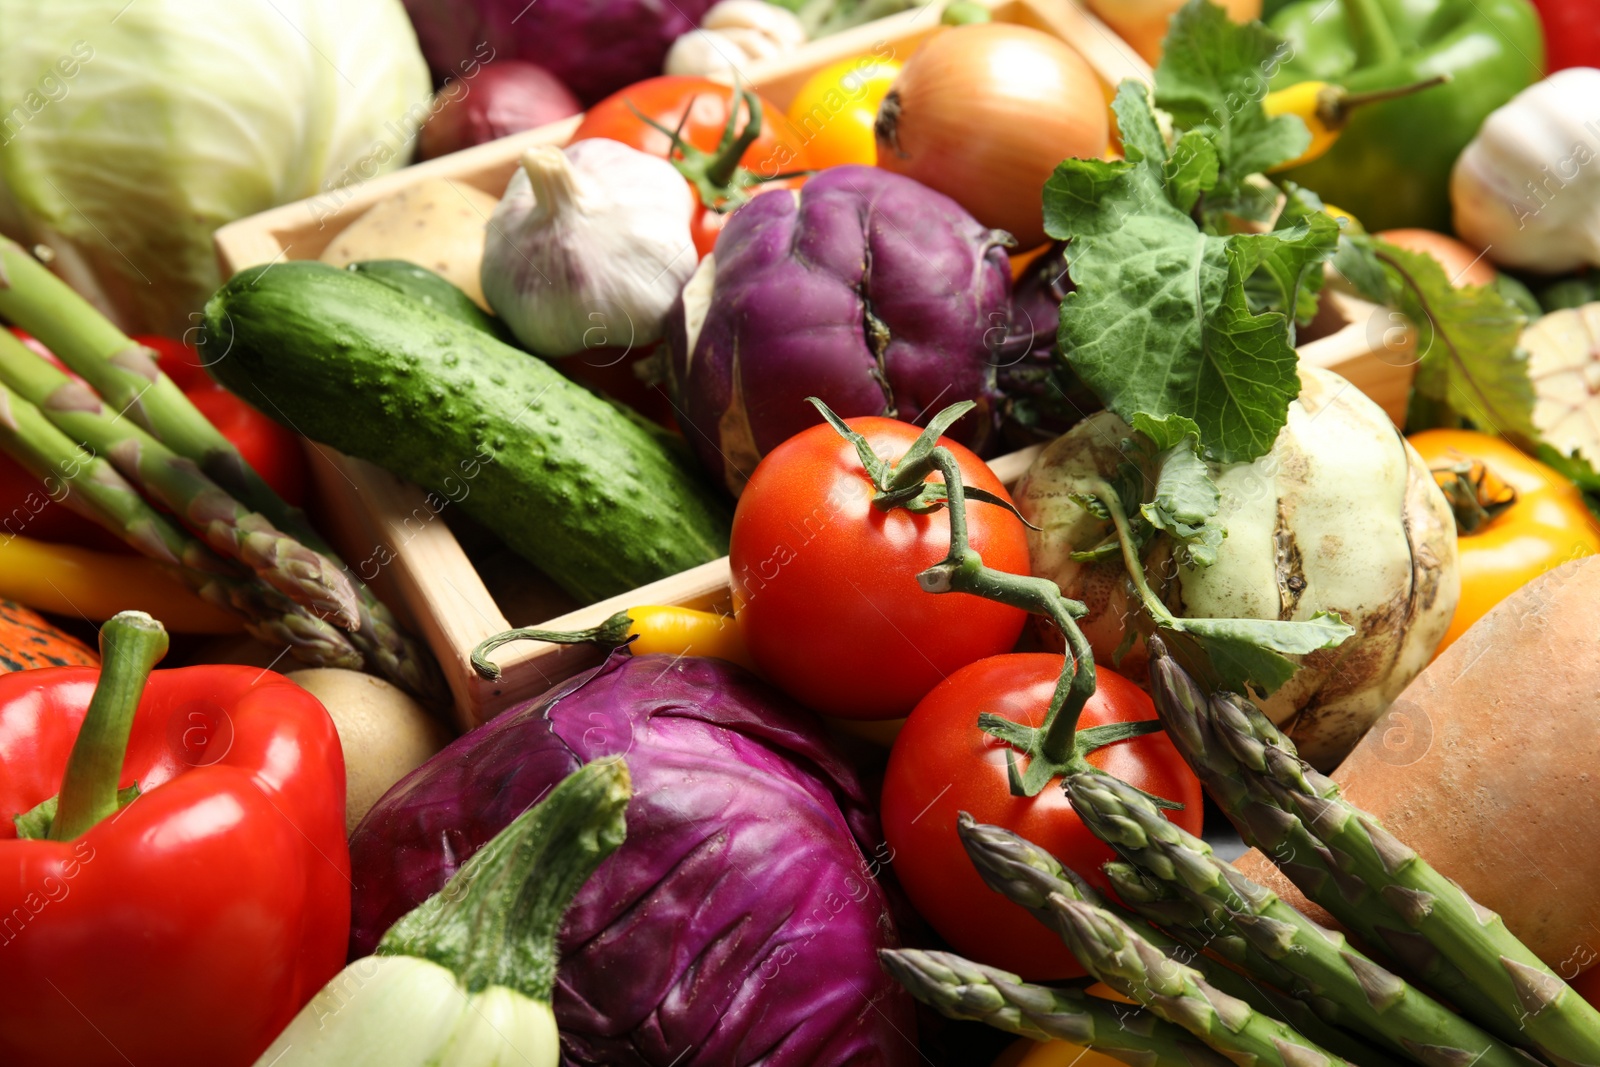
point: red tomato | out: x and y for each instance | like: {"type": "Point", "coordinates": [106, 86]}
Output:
{"type": "Point", "coordinates": [825, 586]}
{"type": "Point", "coordinates": [708, 224]}
{"type": "Point", "coordinates": [698, 109]}
{"type": "Point", "coordinates": [942, 764]}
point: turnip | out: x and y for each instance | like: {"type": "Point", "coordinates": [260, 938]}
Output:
{"type": "Point", "coordinates": [1341, 516]}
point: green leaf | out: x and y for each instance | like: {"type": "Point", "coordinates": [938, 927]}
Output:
{"type": "Point", "coordinates": [1142, 139]}
{"type": "Point", "coordinates": [1471, 370]}
{"type": "Point", "coordinates": [1164, 431]}
{"type": "Point", "coordinates": [1184, 503]}
{"type": "Point", "coordinates": [1358, 264]}
{"type": "Point", "coordinates": [1191, 169]}
{"type": "Point", "coordinates": [1159, 323]}
{"type": "Point", "coordinates": [1295, 272]}
{"type": "Point", "coordinates": [1214, 73]}
{"type": "Point", "coordinates": [1249, 654]}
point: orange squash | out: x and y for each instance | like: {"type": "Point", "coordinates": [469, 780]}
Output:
{"type": "Point", "coordinates": [28, 641]}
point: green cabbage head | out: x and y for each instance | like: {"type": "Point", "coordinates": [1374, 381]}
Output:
{"type": "Point", "coordinates": [129, 131]}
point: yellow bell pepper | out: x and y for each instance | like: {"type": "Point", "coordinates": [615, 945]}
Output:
{"type": "Point", "coordinates": [68, 580]}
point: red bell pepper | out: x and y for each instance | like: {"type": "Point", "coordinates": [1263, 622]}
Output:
{"type": "Point", "coordinates": [190, 925]}
{"type": "Point", "coordinates": [1571, 33]}
{"type": "Point", "coordinates": [273, 450]}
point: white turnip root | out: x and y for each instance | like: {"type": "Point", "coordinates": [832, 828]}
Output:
{"type": "Point", "coordinates": [1342, 516]}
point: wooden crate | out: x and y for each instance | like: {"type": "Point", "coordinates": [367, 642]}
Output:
{"type": "Point", "coordinates": [393, 533]}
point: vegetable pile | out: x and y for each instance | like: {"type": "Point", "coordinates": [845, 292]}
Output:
{"type": "Point", "coordinates": [952, 557]}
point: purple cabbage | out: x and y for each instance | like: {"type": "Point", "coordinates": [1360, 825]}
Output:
{"type": "Point", "coordinates": [864, 288]}
{"type": "Point", "coordinates": [739, 922]}
{"type": "Point", "coordinates": [594, 46]}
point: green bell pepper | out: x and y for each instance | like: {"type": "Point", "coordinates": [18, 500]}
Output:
{"type": "Point", "coordinates": [1391, 165]}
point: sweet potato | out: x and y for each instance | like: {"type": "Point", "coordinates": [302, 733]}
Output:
{"type": "Point", "coordinates": [1489, 766]}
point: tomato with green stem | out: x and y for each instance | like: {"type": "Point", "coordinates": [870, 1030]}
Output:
{"type": "Point", "coordinates": [943, 763]}
{"type": "Point", "coordinates": [695, 123]}
{"type": "Point", "coordinates": [825, 575]}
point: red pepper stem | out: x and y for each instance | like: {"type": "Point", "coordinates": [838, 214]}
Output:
{"type": "Point", "coordinates": [131, 644]}
{"type": "Point", "coordinates": [1370, 32]}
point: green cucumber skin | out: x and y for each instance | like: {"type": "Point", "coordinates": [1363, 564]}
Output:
{"type": "Point", "coordinates": [434, 291]}
{"type": "Point", "coordinates": [559, 474]}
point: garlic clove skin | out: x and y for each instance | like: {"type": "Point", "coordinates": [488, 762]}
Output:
{"type": "Point", "coordinates": [588, 248]}
{"type": "Point", "coordinates": [402, 1011]}
{"type": "Point", "coordinates": [702, 52]}
{"type": "Point", "coordinates": [732, 33]}
{"type": "Point", "coordinates": [1524, 189]}
{"type": "Point", "coordinates": [779, 26]}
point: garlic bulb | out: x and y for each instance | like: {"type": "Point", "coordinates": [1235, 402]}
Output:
{"type": "Point", "coordinates": [733, 33]}
{"type": "Point", "coordinates": [588, 247]}
{"type": "Point", "coordinates": [1564, 365]}
{"type": "Point", "coordinates": [1525, 189]}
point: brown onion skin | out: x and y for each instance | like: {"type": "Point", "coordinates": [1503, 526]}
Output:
{"type": "Point", "coordinates": [983, 114]}
{"type": "Point", "coordinates": [502, 98]}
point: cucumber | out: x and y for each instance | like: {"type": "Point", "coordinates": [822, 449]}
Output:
{"type": "Point", "coordinates": [434, 291]}
{"type": "Point", "coordinates": [560, 475]}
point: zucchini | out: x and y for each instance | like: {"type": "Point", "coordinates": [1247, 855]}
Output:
{"type": "Point", "coordinates": [433, 290]}
{"type": "Point", "coordinates": [560, 475]}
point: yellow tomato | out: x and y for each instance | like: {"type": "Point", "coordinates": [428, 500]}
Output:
{"type": "Point", "coordinates": [1545, 525]}
{"type": "Point", "coordinates": [835, 109]}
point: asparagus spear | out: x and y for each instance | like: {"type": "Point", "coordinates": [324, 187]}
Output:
{"type": "Point", "coordinates": [125, 374]}
{"type": "Point", "coordinates": [1026, 874]}
{"type": "Point", "coordinates": [95, 490]}
{"type": "Point", "coordinates": [206, 509]}
{"type": "Point", "coordinates": [1266, 824]}
{"type": "Point", "coordinates": [1123, 959]}
{"type": "Point", "coordinates": [961, 989]}
{"type": "Point", "coordinates": [1350, 988]}
{"type": "Point", "coordinates": [1554, 1018]}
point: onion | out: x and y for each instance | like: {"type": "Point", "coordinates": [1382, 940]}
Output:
{"type": "Point", "coordinates": [1463, 264]}
{"type": "Point", "coordinates": [983, 114]}
{"type": "Point", "coordinates": [500, 99]}
{"type": "Point", "coordinates": [1143, 23]}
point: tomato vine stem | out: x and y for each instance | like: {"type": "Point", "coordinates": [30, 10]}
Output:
{"type": "Point", "coordinates": [1056, 746]}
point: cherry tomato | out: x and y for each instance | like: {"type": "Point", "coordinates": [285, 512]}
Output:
{"type": "Point", "coordinates": [1546, 526]}
{"type": "Point", "coordinates": [698, 109]}
{"type": "Point", "coordinates": [824, 583]}
{"type": "Point", "coordinates": [837, 106]}
{"type": "Point", "coordinates": [942, 764]}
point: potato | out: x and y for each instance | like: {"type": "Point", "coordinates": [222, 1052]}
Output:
{"type": "Point", "coordinates": [385, 734]}
{"type": "Point", "coordinates": [438, 224]}
{"type": "Point", "coordinates": [1489, 766]}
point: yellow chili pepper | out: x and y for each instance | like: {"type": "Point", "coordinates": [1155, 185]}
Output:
{"type": "Point", "coordinates": [1340, 215]}
{"type": "Point", "coordinates": [1325, 109]}
{"type": "Point", "coordinates": [68, 580]}
{"type": "Point", "coordinates": [686, 632]}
